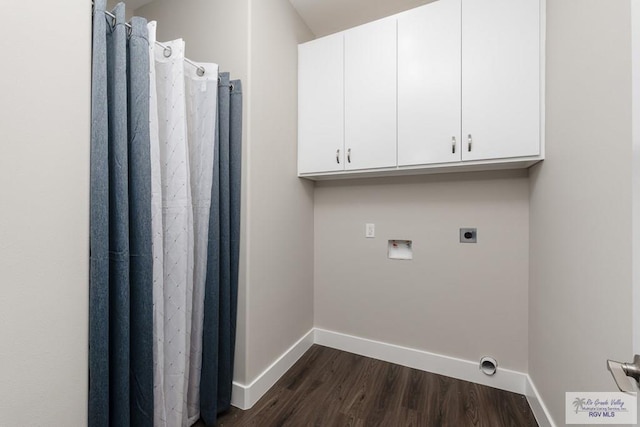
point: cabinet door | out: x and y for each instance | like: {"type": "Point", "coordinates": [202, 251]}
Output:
{"type": "Point", "coordinates": [321, 105]}
{"type": "Point", "coordinates": [429, 84]}
{"type": "Point", "coordinates": [500, 78]}
{"type": "Point", "coordinates": [370, 95]}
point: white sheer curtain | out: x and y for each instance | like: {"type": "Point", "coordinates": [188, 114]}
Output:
{"type": "Point", "coordinates": [177, 228]}
{"type": "Point", "coordinates": [183, 116]}
{"type": "Point", "coordinates": [202, 97]}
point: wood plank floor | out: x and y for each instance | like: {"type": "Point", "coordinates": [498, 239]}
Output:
{"type": "Point", "coordinates": [328, 387]}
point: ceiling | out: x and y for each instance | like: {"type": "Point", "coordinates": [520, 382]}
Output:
{"type": "Point", "coordinates": [329, 16]}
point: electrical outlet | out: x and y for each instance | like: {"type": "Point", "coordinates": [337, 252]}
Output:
{"type": "Point", "coordinates": [370, 231]}
{"type": "Point", "coordinates": [468, 235]}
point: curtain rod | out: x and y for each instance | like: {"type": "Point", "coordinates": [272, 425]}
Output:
{"type": "Point", "coordinates": [167, 49]}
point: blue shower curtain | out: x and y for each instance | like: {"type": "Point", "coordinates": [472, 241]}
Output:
{"type": "Point", "coordinates": [121, 339]}
{"type": "Point", "coordinates": [120, 322]}
{"type": "Point", "coordinates": [221, 288]}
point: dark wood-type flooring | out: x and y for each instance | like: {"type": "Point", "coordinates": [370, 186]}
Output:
{"type": "Point", "coordinates": [328, 387]}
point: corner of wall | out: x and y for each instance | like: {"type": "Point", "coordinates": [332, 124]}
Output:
{"type": "Point", "coordinates": [575, 323]}
{"type": "Point", "coordinates": [279, 205]}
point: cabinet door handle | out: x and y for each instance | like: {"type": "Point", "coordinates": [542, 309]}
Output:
{"type": "Point", "coordinates": [453, 145]}
{"type": "Point", "coordinates": [338, 156]}
{"type": "Point", "coordinates": [349, 155]}
{"type": "Point", "coordinates": [469, 142]}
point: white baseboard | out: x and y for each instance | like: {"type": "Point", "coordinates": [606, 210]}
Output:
{"type": "Point", "coordinates": [245, 396]}
{"type": "Point", "coordinates": [238, 395]}
{"type": "Point", "coordinates": [540, 411]}
{"type": "Point", "coordinates": [466, 370]}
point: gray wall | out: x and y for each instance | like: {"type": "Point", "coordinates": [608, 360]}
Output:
{"type": "Point", "coordinates": [280, 258]}
{"type": "Point", "coordinates": [214, 30]}
{"type": "Point", "coordinates": [580, 281]}
{"type": "Point", "coordinates": [635, 186]}
{"type": "Point", "coordinates": [461, 300]}
{"type": "Point", "coordinates": [44, 220]}
{"type": "Point", "coordinates": [257, 42]}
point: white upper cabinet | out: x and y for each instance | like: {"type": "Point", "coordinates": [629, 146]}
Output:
{"type": "Point", "coordinates": [370, 95]}
{"type": "Point", "coordinates": [451, 85]}
{"type": "Point", "coordinates": [500, 79]}
{"type": "Point", "coordinates": [321, 105]}
{"type": "Point", "coordinates": [429, 90]}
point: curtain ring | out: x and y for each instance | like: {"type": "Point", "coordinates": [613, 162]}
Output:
{"type": "Point", "coordinates": [231, 87]}
{"type": "Point", "coordinates": [200, 71]}
{"type": "Point", "coordinates": [129, 30]}
{"type": "Point", "coordinates": [111, 20]}
{"type": "Point", "coordinates": [167, 51]}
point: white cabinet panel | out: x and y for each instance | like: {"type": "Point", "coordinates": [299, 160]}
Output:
{"type": "Point", "coordinates": [370, 95]}
{"type": "Point", "coordinates": [429, 65]}
{"type": "Point", "coordinates": [452, 85]}
{"type": "Point", "coordinates": [321, 105]}
{"type": "Point", "coordinates": [500, 79]}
